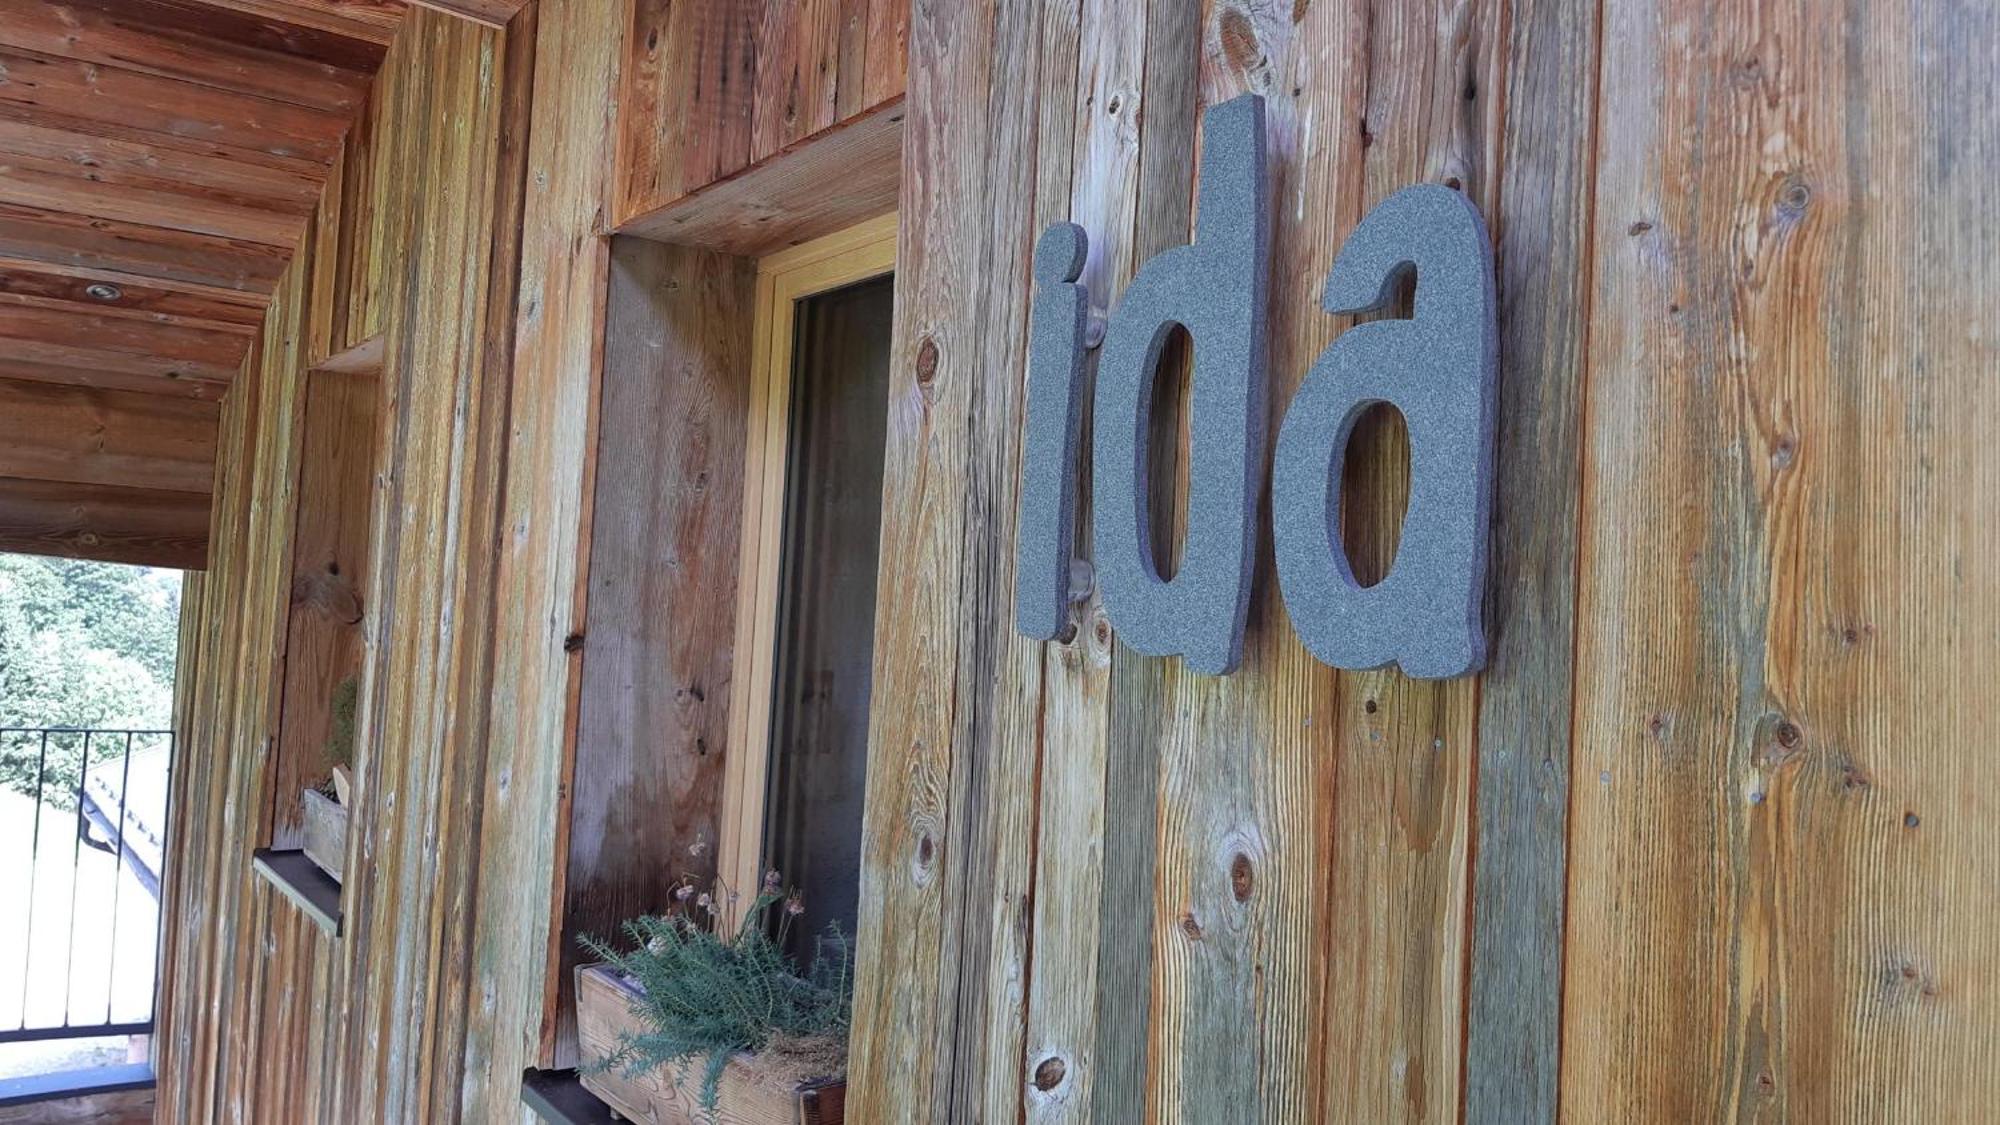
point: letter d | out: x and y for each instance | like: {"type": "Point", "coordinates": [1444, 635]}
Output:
{"type": "Point", "coordinates": [1217, 288]}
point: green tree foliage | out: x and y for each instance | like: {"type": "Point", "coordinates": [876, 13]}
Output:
{"type": "Point", "coordinates": [82, 644]}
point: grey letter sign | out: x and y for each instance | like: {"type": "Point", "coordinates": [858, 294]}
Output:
{"type": "Point", "coordinates": [1043, 548]}
{"type": "Point", "coordinates": [1437, 368]}
{"type": "Point", "coordinates": [1215, 288]}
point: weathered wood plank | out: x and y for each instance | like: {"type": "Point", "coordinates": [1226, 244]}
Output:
{"type": "Point", "coordinates": [687, 85]}
{"type": "Point", "coordinates": [56, 287]}
{"type": "Point", "coordinates": [132, 99]}
{"type": "Point", "coordinates": [787, 200]}
{"type": "Point", "coordinates": [197, 44]}
{"type": "Point", "coordinates": [328, 585]}
{"type": "Point", "coordinates": [1783, 861]}
{"type": "Point", "coordinates": [543, 554]}
{"type": "Point", "coordinates": [218, 179]}
{"type": "Point", "coordinates": [942, 966]}
{"type": "Point", "coordinates": [710, 90]}
{"type": "Point", "coordinates": [1526, 697]}
{"type": "Point", "coordinates": [369, 21]}
{"type": "Point", "coordinates": [652, 720]}
{"type": "Point", "coordinates": [79, 242]}
{"type": "Point", "coordinates": [110, 438]}
{"type": "Point", "coordinates": [39, 334]}
{"type": "Point", "coordinates": [91, 521]}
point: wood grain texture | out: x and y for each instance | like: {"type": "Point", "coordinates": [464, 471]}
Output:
{"type": "Point", "coordinates": [328, 593]}
{"type": "Point", "coordinates": [942, 974]}
{"type": "Point", "coordinates": [139, 526]}
{"type": "Point", "coordinates": [1526, 698]}
{"type": "Point", "coordinates": [786, 200]}
{"type": "Point", "coordinates": [1782, 867]}
{"type": "Point", "coordinates": [263, 1018]}
{"type": "Point", "coordinates": [112, 438]}
{"type": "Point", "coordinates": [709, 90]}
{"type": "Point", "coordinates": [162, 159]}
{"type": "Point", "coordinates": [652, 719]}
{"type": "Point", "coordinates": [543, 551]}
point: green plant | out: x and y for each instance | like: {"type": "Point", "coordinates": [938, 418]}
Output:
{"type": "Point", "coordinates": [707, 994]}
{"type": "Point", "coordinates": [340, 739]}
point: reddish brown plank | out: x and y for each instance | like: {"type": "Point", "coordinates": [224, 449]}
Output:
{"type": "Point", "coordinates": [130, 99]}
{"type": "Point", "coordinates": [118, 343]}
{"type": "Point", "coordinates": [115, 438]}
{"type": "Point", "coordinates": [190, 43]}
{"type": "Point", "coordinates": [35, 282]}
{"type": "Point", "coordinates": [369, 21]}
{"type": "Point", "coordinates": [83, 243]}
{"type": "Point", "coordinates": [88, 521]}
{"type": "Point", "coordinates": [785, 201]}
{"type": "Point", "coordinates": [290, 187]}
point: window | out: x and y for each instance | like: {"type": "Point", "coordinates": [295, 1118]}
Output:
{"type": "Point", "coordinates": [806, 619]}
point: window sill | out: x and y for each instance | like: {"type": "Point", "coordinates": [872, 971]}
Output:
{"type": "Point", "coordinates": [301, 880]}
{"type": "Point", "coordinates": [559, 1097]}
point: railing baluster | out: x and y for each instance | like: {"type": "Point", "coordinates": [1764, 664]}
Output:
{"type": "Point", "coordinates": [34, 872]}
{"type": "Point", "coordinates": [75, 861]}
{"type": "Point", "coordinates": [117, 878]}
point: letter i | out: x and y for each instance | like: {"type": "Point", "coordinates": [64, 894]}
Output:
{"type": "Point", "coordinates": [1044, 543]}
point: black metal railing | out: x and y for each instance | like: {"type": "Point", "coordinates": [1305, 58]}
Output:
{"type": "Point", "coordinates": [82, 841]}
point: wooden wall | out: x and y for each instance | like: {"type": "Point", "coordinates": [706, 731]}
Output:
{"type": "Point", "coordinates": [1710, 837]}
{"type": "Point", "coordinates": [264, 1018]}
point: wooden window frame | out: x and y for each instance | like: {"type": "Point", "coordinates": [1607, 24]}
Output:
{"type": "Point", "coordinates": [859, 253]}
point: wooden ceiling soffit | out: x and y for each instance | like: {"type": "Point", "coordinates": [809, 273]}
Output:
{"type": "Point", "coordinates": [492, 13]}
{"type": "Point", "coordinates": [79, 242]}
{"type": "Point", "coordinates": [201, 44]}
{"type": "Point", "coordinates": [370, 21]}
{"type": "Point", "coordinates": [167, 302]}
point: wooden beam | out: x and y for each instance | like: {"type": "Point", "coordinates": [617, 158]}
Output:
{"type": "Point", "coordinates": [232, 52]}
{"type": "Point", "coordinates": [85, 436]}
{"type": "Point", "coordinates": [37, 333]}
{"type": "Point", "coordinates": [828, 183]}
{"type": "Point", "coordinates": [58, 287]}
{"type": "Point", "coordinates": [33, 182]}
{"type": "Point", "coordinates": [201, 390]}
{"type": "Point", "coordinates": [371, 21]}
{"type": "Point", "coordinates": [132, 99]}
{"type": "Point", "coordinates": [78, 242]}
{"type": "Point", "coordinates": [147, 527]}
{"type": "Point", "coordinates": [492, 13]}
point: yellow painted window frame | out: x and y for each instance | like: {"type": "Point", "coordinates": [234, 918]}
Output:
{"type": "Point", "coordinates": [859, 253]}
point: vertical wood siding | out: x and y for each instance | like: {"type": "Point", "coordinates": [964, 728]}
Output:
{"type": "Point", "coordinates": [264, 1018]}
{"type": "Point", "coordinates": [1708, 838]}
{"type": "Point", "coordinates": [1738, 591]}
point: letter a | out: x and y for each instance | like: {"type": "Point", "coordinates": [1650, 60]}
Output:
{"type": "Point", "coordinates": [1438, 369]}
{"type": "Point", "coordinates": [1217, 288]}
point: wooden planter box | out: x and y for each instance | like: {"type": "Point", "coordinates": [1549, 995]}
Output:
{"type": "Point", "coordinates": [326, 831]}
{"type": "Point", "coordinates": [749, 1096]}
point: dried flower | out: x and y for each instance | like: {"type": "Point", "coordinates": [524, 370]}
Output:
{"type": "Point", "coordinates": [772, 879]}
{"type": "Point", "coordinates": [684, 892]}
{"type": "Point", "coordinates": [795, 905]}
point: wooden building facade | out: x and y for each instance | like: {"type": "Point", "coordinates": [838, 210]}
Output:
{"type": "Point", "coordinates": [1708, 837]}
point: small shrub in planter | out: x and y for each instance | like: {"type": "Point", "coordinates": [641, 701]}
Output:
{"type": "Point", "coordinates": [325, 808]}
{"type": "Point", "coordinates": [732, 1014]}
